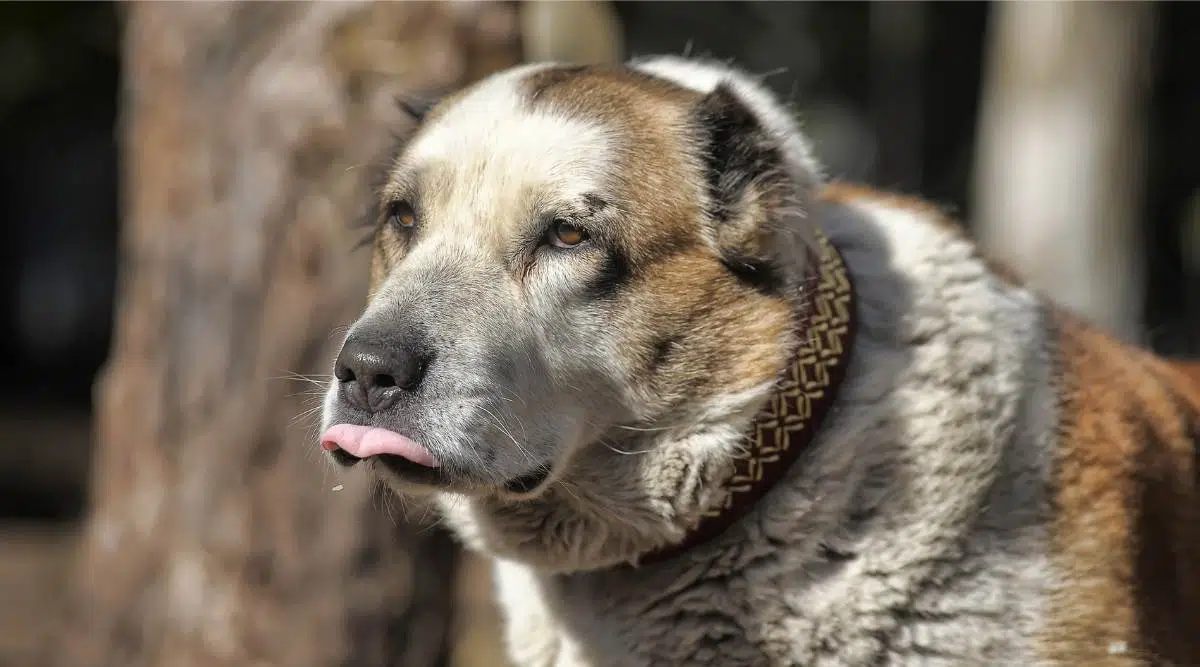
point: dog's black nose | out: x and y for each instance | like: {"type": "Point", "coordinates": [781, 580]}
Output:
{"type": "Point", "coordinates": [373, 372]}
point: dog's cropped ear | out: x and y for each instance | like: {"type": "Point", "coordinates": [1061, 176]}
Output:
{"type": "Point", "coordinates": [416, 106]}
{"type": "Point", "coordinates": [751, 196]}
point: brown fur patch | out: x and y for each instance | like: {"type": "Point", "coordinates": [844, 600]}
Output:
{"type": "Point", "coordinates": [605, 93]}
{"type": "Point", "coordinates": [1126, 536]}
{"type": "Point", "coordinates": [1190, 370]}
{"type": "Point", "coordinates": [729, 331]}
{"type": "Point", "coordinates": [847, 193]}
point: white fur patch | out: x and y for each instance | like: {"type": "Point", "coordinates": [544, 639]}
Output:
{"type": "Point", "coordinates": [498, 148]}
{"type": "Point", "coordinates": [492, 158]}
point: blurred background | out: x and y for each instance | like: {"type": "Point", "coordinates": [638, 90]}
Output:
{"type": "Point", "coordinates": [178, 183]}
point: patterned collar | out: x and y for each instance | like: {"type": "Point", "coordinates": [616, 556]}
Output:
{"type": "Point", "coordinates": [791, 418]}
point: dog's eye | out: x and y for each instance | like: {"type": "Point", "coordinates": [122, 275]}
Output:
{"type": "Point", "coordinates": [401, 214]}
{"type": "Point", "coordinates": [565, 235]}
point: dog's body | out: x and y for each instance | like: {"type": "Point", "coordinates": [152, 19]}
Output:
{"type": "Point", "coordinates": [1001, 486]}
{"type": "Point", "coordinates": [997, 483]}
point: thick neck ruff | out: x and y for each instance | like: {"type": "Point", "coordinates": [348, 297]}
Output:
{"type": "Point", "coordinates": [792, 417]}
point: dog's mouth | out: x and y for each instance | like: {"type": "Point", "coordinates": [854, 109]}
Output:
{"type": "Point", "coordinates": [343, 457]}
{"type": "Point", "coordinates": [349, 444]}
{"type": "Point", "coordinates": [529, 482]}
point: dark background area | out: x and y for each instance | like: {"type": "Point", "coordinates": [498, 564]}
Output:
{"type": "Point", "coordinates": [902, 118]}
{"type": "Point", "coordinates": [59, 91]}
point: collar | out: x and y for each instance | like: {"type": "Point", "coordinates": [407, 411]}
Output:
{"type": "Point", "coordinates": [791, 418]}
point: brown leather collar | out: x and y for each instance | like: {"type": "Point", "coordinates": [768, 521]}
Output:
{"type": "Point", "coordinates": [791, 418]}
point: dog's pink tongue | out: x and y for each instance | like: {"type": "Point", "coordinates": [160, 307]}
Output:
{"type": "Point", "coordinates": [365, 441]}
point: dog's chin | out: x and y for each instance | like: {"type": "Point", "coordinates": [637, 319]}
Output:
{"type": "Point", "coordinates": [408, 478]}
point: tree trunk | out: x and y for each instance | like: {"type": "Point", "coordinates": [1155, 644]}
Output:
{"type": "Point", "coordinates": [1058, 176]}
{"type": "Point", "coordinates": [215, 535]}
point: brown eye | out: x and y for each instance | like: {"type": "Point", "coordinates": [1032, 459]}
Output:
{"type": "Point", "coordinates": [401, 214]}
{"type": "Point", "coordinates": [565, 235]}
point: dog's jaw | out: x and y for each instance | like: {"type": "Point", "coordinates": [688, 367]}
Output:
{"type": "Point", "coordinates": [596, 518]}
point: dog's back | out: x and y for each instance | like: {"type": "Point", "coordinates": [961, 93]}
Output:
{"type": "Point", "coordinates": [1126, 530]}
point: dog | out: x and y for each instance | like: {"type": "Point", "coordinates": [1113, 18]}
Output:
{"type": "Point", "coordinates": [701, 406]}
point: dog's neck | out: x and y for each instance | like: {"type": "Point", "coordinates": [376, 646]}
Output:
{"type": "Point", "coordinates": [792, 416]}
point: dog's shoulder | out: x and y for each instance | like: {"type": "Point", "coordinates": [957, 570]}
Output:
{"type": "Point", "coordinates": [923, 215]}
{"type": "Point", "coordinates": [1126, 534]}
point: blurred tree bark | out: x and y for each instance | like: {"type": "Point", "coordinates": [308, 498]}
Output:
{"type": "Point", "coordinates": [214, 535]}
{"type": "Point", "coordinates": [1059, 164]}
{"type": "Point", "coordinates": [581, 31]}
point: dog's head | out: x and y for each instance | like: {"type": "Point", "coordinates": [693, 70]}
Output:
{"type": "Point", "coordinates": [568, 258]}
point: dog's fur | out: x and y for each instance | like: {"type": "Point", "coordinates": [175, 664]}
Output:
{"type": "Point", "coordinates": [998, 483]}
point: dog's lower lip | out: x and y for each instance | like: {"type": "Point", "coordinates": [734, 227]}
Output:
{"type": "Point", "coordinates": [527, 483]}
{"type": "Point", "coordinates": [409, 471]}
{"type": "Point", "coordinates": [343, 457]}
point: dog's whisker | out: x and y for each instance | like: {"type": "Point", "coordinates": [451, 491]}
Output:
{"type": "Point", "coordinates": [623, 452]}
{"type": "Point", "coordinates": [648, 429]}
{"type": "Point", "coordinates": [316, 379]}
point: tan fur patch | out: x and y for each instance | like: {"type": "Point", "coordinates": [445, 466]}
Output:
{"type": "Point", "coordinates": [732, 333]}
{"type": "Point", "coordinates": [1190, 369]}
{"type": "Point", "coordinates": [1126, 537]}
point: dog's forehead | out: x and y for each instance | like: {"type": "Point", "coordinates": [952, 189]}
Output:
{"type": "Point", "coordinates": [542, 131]}
{"type": "Point", "coordinates": [493, 137]}
{"type": "Point", "coordinates": [487, 151]}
